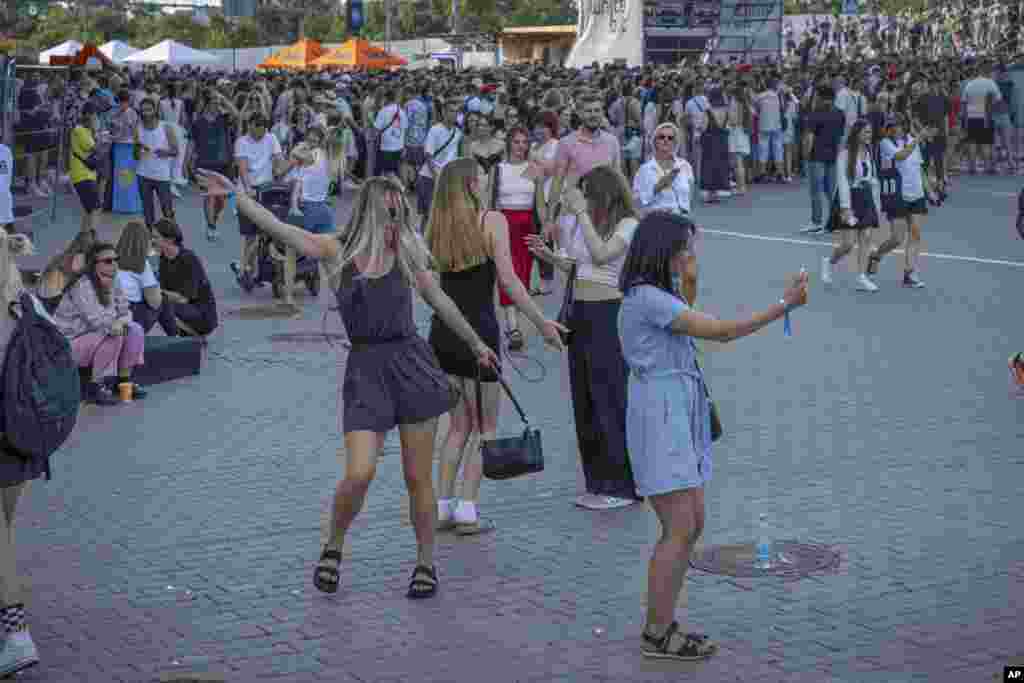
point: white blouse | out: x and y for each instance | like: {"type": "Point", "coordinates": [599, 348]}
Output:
{"type": "Point", "coordinates": [608, 273]}
{"type": "Point", "coordinates": [316, 181]}
{"type": "Point", "coordinates": [514, 191]}
{"type": "Point", "coordinates": [675, 198]}
{"type": "Point", "coordinates": [864, 172]}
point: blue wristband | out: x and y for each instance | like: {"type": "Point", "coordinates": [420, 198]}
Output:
{"type": "Point", "coordinates": [787, 325]}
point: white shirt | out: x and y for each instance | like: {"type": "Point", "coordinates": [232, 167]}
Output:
{"type": "Point", "coordinates": [909, 168]}
{"type": "Point", "coordinates": [607, 274]}
{"type": "Point", "coordinates": [132, 283]}
{"type": "Point", "coordinates": [974, 94]}
{"type": "Point", "coordinates": [437, 152]}
{"type": "Point", "coordinates": [769, 111]}
{"type": "Point", "coordinates": [391, 122]}
{"type": "Point", "coordinates": [260, 157]}
{"type": "Point", "coordinates": [6, 173]}
{"type": "Point", "coordinates": [150, 166]}
{"type": "Point", "coordinates": [316, 182]}
{"type": "Point", "coordinates": [514, 191]}
{"type": "Point", "coordinates": [675, 198]}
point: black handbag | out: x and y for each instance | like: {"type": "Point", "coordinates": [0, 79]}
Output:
{"type": "Point", "coordinates": [565, 312]}
{"type": "Point", "coordinates": [716, 422]}
{"type": "Point", "coordinates": [512, 456]}
{"type": "Point", "coordinates": [862, 204]}
{"type": "Point", "coordinates": [891, 191]}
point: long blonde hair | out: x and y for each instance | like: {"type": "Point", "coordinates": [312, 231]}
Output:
{"type": "Point", "coordinates": [454, 235]}
{"type": "Point", "coordinates": [369, 233]}
{"type": "Point", "coordinates": [11, 285]}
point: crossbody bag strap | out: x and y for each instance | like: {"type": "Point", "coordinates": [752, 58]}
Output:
{"type": "Point", "coordinates": [508, 392]}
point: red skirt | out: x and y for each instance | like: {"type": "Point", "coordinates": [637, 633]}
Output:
{"type": "Point", "coordinates": [520, 224]}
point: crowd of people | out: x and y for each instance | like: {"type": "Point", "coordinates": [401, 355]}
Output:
{"type": "Point", "coordinates": [456, 186]}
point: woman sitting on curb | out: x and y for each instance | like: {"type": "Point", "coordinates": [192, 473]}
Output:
{"type": "Point", "coordinates": [94, 315]}
{"type": "Point", "coordinates": [189, 308]}
{"type": "Point", "coordinates": [62, 269]}
{"type": "Point", "coordinates": [135, 276]}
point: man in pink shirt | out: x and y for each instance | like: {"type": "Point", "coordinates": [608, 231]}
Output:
{"type": "Point", "coordinates": [577, 154]}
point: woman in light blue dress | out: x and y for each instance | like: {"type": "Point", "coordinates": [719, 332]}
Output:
{"type": "Point", "coordinates": [668, 427]}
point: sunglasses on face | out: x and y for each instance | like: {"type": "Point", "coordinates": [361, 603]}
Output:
{"type": "Point", "coordinates": [107, 261]}
{"type": "Point", "coordinates": [670, 138]}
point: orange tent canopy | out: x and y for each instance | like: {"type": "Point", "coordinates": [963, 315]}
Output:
{"type": "Point", "coordinates": [358, 53]}
{"type": "Point", "coordinates": [297, 56]}
{"type": "Point", "coordinates": [82, 58]}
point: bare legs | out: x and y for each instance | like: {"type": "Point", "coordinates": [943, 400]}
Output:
{"type": "Point", "coordinates": [362, 449]}
{"type": "Point", "coordinates": [460, 447]}
{"type": "Point", "coordinates": [681, 514]}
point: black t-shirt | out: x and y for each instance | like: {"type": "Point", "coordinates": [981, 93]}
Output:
{"type": "Point", "coordinates": [932, 110]}
{"type": "Point", "coordinates": [212, 139]}
{"type": "Point", "coordinates": [828, 127]}
{"type": "Point", "coordinates": [186, 276]}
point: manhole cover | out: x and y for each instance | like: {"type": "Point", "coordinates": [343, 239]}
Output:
{"type": "Point", "coordinates": [789, 559]}
{"type": "Point", "coordinates": [310, 338]}
{"type": "Point", "coordinates": [265, 311]}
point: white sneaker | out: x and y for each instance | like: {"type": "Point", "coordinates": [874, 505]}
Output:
{"type": "Point", "coordinates": [811, 228]}
{"type": "Point", "coordinates": [175, 191]}
{"type": "Point", "coordinates": [864, 284]}
{"type": "Point", "coordinates": [18, 653]}
{"type": "Point", "coordinates": [608, 503]}
{"type": "Point", "coordinates": [723, 194]}
{"type": "Point", "coordinates": [826, 270]}
{"type": "Point", "coordinates": [445, 518]}
{"type": "Point", "coordinates": [465, 513]}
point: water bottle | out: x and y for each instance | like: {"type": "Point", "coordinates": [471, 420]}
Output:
{"type": "Point", "coordinates": [232, 204]}
{"type": "Point", "coordinates": [763, 550]}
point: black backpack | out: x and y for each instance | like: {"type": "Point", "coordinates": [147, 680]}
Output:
{"type": "Point", "coordinates": [41, 389]}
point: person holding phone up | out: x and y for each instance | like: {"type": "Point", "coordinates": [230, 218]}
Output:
{"type": "Point", "coordinates": [664, 182]}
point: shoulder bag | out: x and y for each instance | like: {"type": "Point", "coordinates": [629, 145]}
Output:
{"type": "Point", "coordinates": [716, 422]}
{"type": "Point", "coordinates": [568, 299]}
{"type": "Point", "coordinates": [512, 456]}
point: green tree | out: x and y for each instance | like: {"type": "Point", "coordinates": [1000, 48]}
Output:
{"type": "Point", "coordinates": [374, 20]}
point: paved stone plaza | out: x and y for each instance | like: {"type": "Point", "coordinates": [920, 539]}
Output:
{"type": "Point", "coordinates": [180, 534]}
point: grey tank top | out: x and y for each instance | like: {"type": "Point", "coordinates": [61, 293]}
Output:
{"type": "Point", "coordinates": [375, 309]}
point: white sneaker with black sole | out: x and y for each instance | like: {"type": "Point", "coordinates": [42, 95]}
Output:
{"type": "Point", "coordinates": [599, 502]}
{"type": "Point", "coordinates": [18, 653]}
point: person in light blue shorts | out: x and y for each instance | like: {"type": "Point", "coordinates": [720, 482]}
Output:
{"type": "Point", "coordinates": [668, 425]}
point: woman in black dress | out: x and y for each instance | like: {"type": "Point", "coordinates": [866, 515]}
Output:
{"type": "Point", "coordinates": [470, 246]}
{"type": "Point", "coordinates": [392, 378]}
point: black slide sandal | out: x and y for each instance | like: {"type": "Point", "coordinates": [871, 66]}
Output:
{"type": "Point", "coordinates": [423, 583]}
{"type": "Point", "coordinates": [325, 577]}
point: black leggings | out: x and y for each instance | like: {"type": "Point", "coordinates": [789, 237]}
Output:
{"type": "Point", "coordinates": [162, 188]}
{"type": "Point", "coordinates": [598, 377]}
{"type": "Point", "coordinates": [192, 315]}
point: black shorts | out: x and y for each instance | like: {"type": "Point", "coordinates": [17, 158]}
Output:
{"type": "Point", "coordinates": [918, 207]}
{"type": "Point", "coordinates": [388, 162]}
{"type": "Point", "coordinates": [980, 132]}
{"type": "Point", "coordinates": [89, 195]}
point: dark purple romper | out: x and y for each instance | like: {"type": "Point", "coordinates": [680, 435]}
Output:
{"type": "Point", "coordinates": [392, 376]}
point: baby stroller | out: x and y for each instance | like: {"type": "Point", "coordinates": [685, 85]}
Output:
{"type": "Point", "coordinates": [270, 255]}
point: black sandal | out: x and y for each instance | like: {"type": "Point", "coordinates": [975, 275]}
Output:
{"type": "Point", "coordinates": [873, 260]}
{"type": "Point", "coordinates": [516, 342]}
{"type": "Point", "coordinates": [325, 577]}
{"type": "Point", "coordinates": [689, 646]}
{"type": "Point", "coordinates": [420, 587]}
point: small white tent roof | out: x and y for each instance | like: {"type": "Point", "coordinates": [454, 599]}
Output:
{"type": "Point", "coordinates": [66, 49]}
{"type": "Point", "coordinates": [117, 50]}
{"type": "Point", "coordinates": [170, 52]}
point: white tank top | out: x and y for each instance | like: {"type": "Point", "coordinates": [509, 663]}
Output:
{"type": "Point", "coordinates": [316, 181]}
{"type": "Point", "coordinates": [608, 273]}
{"type": "Point", "coordinates": [149, 165]}
{"type": "Point", "coordinates": [514, 191]}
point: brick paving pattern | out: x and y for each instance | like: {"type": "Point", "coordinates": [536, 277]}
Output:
{"type": "Point", "coordinates": [179, 534]}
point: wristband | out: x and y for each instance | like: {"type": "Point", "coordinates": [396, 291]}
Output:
{"type": "Point", "coordinates": [787, 325]}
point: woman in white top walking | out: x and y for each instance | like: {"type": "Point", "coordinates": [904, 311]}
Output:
{"type": "Point", "coordinates": [665, 182]}
{"type": "Point", "coordinates": [859, 204]}
{"type": "Point", "coordinates": [902, 151]}
{"type": "Point", "coordinates": [172, 112]}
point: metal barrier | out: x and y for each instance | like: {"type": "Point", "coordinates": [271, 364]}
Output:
{"type": "Point", "coordinates": [33, 135]}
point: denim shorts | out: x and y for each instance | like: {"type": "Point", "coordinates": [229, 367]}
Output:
{"type": "Point", "coordinates": [317, 217]}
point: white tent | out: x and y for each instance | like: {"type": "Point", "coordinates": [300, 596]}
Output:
{"type": "Point", "coordinates": [117, 51]}
{"type": "Point", "coordinates": [68, 48]}
{"type": "Point", "coordinates": [172, 53]}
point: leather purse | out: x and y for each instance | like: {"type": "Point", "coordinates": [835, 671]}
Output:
{"type": "Point", "coordinates": [716, 422]}
{"type": "Point", "coordinates": [565, 312]}
{"type": "Point", "coordinates": [512, 456]}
